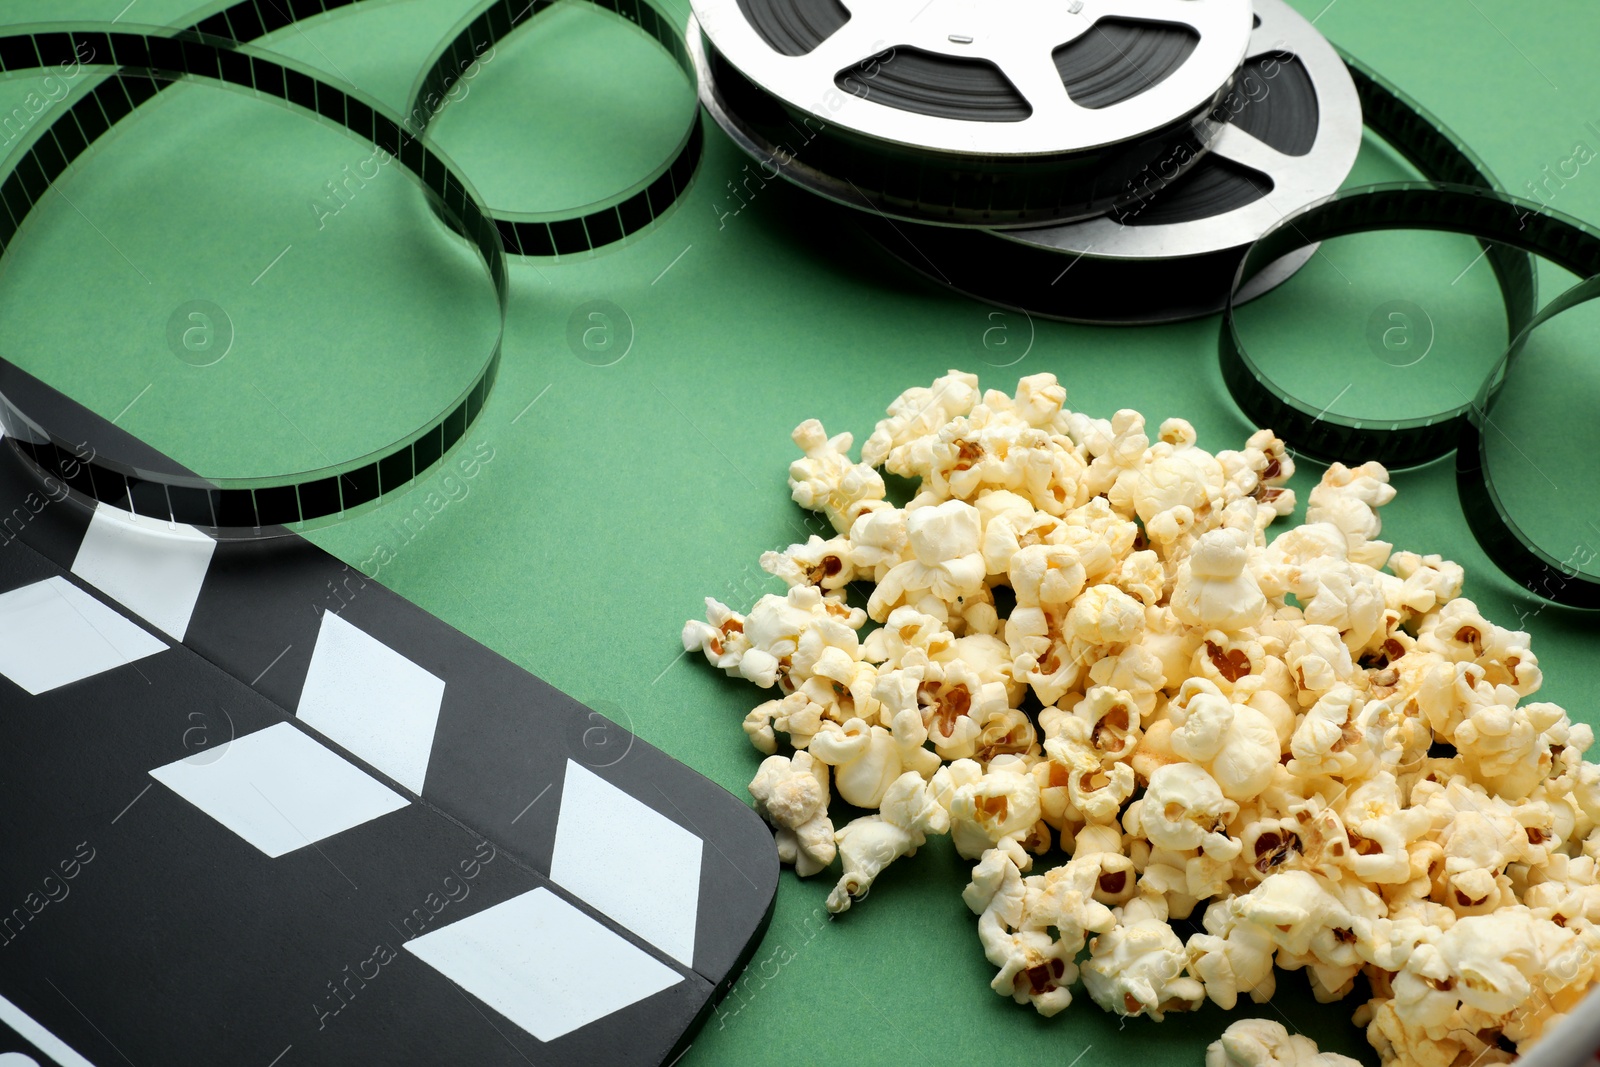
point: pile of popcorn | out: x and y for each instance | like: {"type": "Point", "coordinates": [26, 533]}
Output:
{"type": "Point", "coordinates": [1311, 744]}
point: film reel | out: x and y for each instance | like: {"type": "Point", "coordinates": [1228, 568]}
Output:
{"type": "Point", "coordinates": [102, 463]}
{"type": "Point", "coordinates": [971, 114]}
{"type": "Point", "coordinates": [1291, 134]}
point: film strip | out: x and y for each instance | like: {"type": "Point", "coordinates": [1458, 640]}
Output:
{"type": "Point", "coordinates": [1463, 199]}
{"type": "Point", "coordinates": [606, 221]}
{"type": "Point", "coordinates": [123, 472]}
{"type": "Point", "coordinates": [555, 233]}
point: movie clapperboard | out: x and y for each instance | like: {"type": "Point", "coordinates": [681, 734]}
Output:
{"type": "Point", "coordinates": [259, 809]}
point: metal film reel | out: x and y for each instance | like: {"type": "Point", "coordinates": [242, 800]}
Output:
{"type": "Point", "coordinates": [1001, 113]}
{"type": "Point", "coordinates": [1293, 128]}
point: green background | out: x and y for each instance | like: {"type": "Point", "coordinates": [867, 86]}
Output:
{"type": "Point", "coordinates": [618, 496]}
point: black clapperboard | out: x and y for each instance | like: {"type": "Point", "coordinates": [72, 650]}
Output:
{"type": "Point", "coordinates": [258, 809]}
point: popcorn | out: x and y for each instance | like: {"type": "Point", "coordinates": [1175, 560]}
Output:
{"type": "Point", "coordinates": [826, 480]}
{"type": "Point", "coordinates": [1172, 490]}
{"type": "Point", "coordinates": [1380, 831]}
{"type": "Point", "coordinates": [720, 638]}
{"type": "Point", "coordinates": [957, 704]}
{"type": "Point", "coordinates": [1399, 1041]}
{"type": "Point", "coordinates": [1315, 743]}
{"type": "Point", "coordinates": [1506, 974]}
{"type": "Point", "coordinates": [1265, 1043]}
{"type": "Point", "coordinates": [878, 542]}
{"type": "Point", "coordinates": [1503, 746]}
{"type": "Point", "coordinates": [1260, 472]}
{"type": "Point", "coordinates": [1046, 576]}
{"type": "Point", "coordinates": [1230, 663]}
{"type": "Point", "coordinates": [1016, 916]}
{"type": "Point", "coordinates": [1105, 615]}
{"type": "Point", "coordinates": [796, 715]}
{"type": "Point", "coordinates": [909, 638]}
{"type": "Point", "coordinates": [990, 659]}
{"type": "Point", "coordinates": [1155, 750]}
{"type": "Point", "coordinates": [1183, 808]}
{"type": "Point", "coordinates": [869, 844]}
{"type": "Point", "coordinates": [865, 759]}
{"type": "Point", "coordinates": [1232, 958]}
{"type": "Point", "coordinates": [1138, 967]}
{"type": "Point", "coordinates": [1349, 499]}
{"type": "Point", "coordinates": [1109, 718]}
{"type": "Point", "coordinates": [1101, 534]}
{"type": "Point", "coordinates": [1303, 915]}
{"type": "Point", "coordinates": [1327, 741]}
{"type": "Point", "coordinates": [1480, 838]}
{"type": "Point", "coordinates": [1235, 743]}
{"type": "Point", "coordinates": [986, 808]}
{"type": "Point", "coordinates": [1318, 661]}
{"type": "Point", "coordinates": [1566, 892]}
{"type": "Point", "coordinates": [826, 564]}
{"type": "Point", "coordinates": [1010, 524]}
{"type": "Point", "coordinates": [917, 414]}
{"type": "Point", "coordinates": [792, 795]}
{"type": "Point", "coordinates": [987, 450]}
{"type": "Point", "coordinates": [1098, 793]}
{"type": "Point", "coordinates": [1008, 732]}
{"type": "Point", "coordinates": [1268, 843]}
{"type": "Point", "coordinates": [945, 563]}
{"type": "Point", "coordinates": [1172, 642]}
{"type": "Point", "coordinates": [1348, 597]}
{"type": "Point", "coordinates": [1115, 879]}
{"type": "Point", "coordinates": [1141, 575]}
{"type": "Point", "coordinates": [773, 631]}
{"type": "Point", "coordinates": [1214, 588]}
{"type": "Point", "coordinates": [1181, 879]}
{"type": "Point", "coordinates": [1456, 632]}
{"type": "Point", "coordinates": [1135, 671]}
{"type": "Point", "coordinates": [1426, 582]}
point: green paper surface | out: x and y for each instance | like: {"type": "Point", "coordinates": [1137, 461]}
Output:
{"type": "Point", "coordinates": [619, 496]}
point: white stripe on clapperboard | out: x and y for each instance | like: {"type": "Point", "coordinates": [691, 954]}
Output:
{"type": "Point", "coordinates": [48, 1043]}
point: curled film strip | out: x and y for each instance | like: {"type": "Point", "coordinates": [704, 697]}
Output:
{"type": "Point", "coordinates": [1467, 201]}
{"type": "Point", "coordinates": [1441, 156]}
{"type": "Point", "coordinates": [552, 233]}
{"type": "Point", "coordinates": [598, 224]}
{"type": "Point", "coordinates": [124, 473]}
